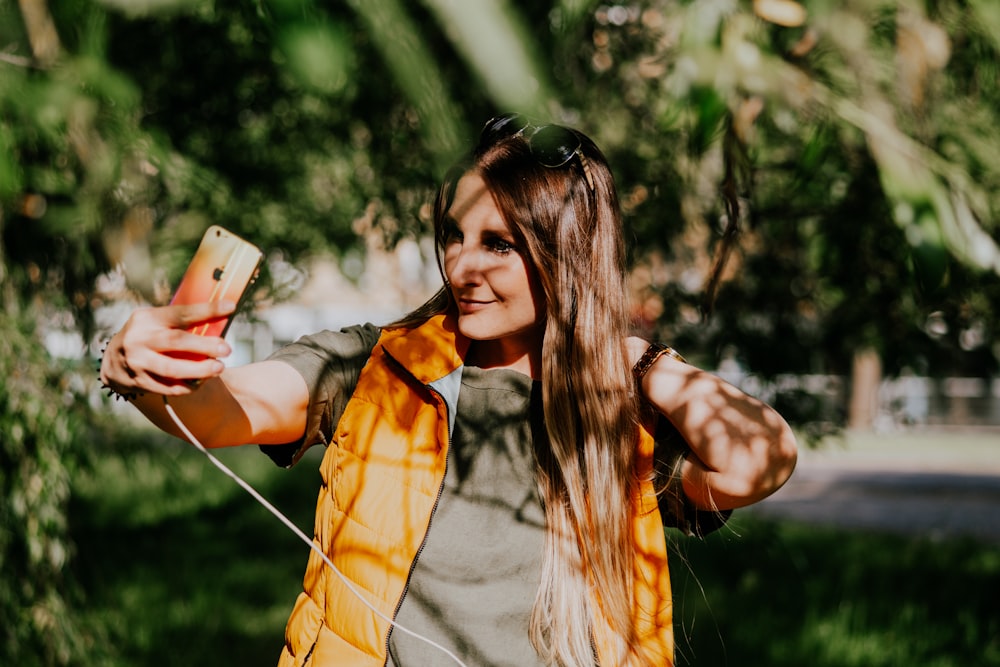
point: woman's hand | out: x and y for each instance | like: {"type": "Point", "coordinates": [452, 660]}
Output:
{"type": "Point", "coordinates": [154, 353]}
{"type": "Point", "coordinates": [154, 356]}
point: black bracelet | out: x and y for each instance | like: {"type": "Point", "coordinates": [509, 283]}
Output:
{"type": "Point", "coordinates": [123, 395]}
{"type": "Point", "coordinates": [649, 357]}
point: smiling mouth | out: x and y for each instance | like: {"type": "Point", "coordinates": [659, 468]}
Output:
{"type": "Point", "coordinates": [471, 305]}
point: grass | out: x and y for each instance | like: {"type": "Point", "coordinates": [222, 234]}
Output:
{"type": "Point", "coordinates": [178, 566]}
{"type": "Point", "coordinates": [776, 594]}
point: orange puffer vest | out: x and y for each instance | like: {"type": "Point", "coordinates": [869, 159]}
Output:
{"type": "Point", "coordinates": [381, 478]}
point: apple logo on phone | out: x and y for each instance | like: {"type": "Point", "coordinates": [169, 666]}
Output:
{"type": "Point", "coordinates": [217, 275]}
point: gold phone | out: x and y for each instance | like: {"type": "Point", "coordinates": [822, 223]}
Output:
{"type": "Point", "coordinates": [223, 269]}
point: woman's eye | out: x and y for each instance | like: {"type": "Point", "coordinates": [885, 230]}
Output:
{"type": "Point", "coordinates": [452, 235]}
{"type": "Point", "coordinates": [500, 246]}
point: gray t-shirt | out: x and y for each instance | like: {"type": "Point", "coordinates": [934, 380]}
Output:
{"type": "Point", "coordinates": [474, 582]}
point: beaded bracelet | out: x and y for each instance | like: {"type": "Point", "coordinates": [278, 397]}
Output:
{"type": "Point", "coordinates": [649, 357]}
{"type": "Point", "coordinates": [123, 395]}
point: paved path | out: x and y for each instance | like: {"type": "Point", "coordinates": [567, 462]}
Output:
{"type": "Point", "coordinates": [937, 484]}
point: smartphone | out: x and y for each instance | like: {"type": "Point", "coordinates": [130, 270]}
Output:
{"type": "Point", "coordinates": [223, 268]}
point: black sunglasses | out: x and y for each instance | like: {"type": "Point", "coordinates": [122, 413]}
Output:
{"type": "Point", "coordinates": [552, 146]}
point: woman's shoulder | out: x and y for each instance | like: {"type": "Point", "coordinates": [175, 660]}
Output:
{"type": "Point", "coordinates": [343, 342]}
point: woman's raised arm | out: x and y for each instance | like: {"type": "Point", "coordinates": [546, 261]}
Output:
{"type": "Point", "coordinates": [742, 449]}
{"type": "Point", "coordinates": [153, 357]}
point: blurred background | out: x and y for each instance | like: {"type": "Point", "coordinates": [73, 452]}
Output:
{"type": "Point", "coordinates": [811, 199]}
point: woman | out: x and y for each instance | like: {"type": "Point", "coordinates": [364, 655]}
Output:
{"type": "Point", "coordinates": [490, 478]}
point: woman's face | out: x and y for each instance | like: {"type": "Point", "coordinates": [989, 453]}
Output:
{"type": "Point", "coordinates": [491, 279]}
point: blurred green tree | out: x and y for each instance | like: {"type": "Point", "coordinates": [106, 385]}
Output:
{"type": "Point", "coordinates": [57, 172]}
{"type": "Point", "coordinates": [834, 155]}
{"type": "Point", "coordinates": [809, 187]}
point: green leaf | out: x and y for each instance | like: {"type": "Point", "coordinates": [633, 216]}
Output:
{"type": "Point", "coordinates": [319, 56]}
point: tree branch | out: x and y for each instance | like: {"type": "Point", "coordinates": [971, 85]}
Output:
{"type": "Point", "coordinates": [41, 31]}
{"type": "Point", "coordinates": [19, 61]}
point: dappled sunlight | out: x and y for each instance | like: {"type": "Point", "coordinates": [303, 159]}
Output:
{"type": "Point", "coordinates": [744, 450]}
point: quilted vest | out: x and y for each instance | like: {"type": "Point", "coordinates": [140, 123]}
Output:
{"type": "Point", "coordinates": [382, 474]}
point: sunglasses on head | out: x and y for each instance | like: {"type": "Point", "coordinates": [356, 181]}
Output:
{"type": "Point", "coordinates": [552, 146]}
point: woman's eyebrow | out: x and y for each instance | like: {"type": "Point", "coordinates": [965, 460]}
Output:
{"type": "Point", "coordinates": [503, 234]}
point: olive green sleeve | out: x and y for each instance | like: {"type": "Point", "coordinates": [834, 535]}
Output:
{"type": "Point", "coordinates": [330, 362]}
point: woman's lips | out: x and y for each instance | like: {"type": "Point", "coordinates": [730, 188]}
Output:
{"type": "Point", "coordinates": [471, 305]}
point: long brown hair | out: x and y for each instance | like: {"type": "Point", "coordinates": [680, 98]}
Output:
{"type": "Point", "coordinates": [572, 234]}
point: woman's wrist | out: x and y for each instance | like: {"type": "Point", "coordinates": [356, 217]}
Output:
{"type": "Point", "coordinates": [651, 356]}
{"type": "Point", "coordinates": [113, 388]}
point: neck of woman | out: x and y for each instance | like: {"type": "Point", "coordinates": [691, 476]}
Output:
{"type": "Point", "coordinates": [506, 353]}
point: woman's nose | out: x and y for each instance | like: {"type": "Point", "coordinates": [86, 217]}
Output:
{"type": "Point", "coordinates": [465, 267]}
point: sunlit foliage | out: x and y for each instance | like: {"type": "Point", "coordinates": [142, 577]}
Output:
{"type": "Point", "coordinates": [802, 180]}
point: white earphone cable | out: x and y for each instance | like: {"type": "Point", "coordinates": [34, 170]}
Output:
{"type": "Point", "coordinates": [295, 529]}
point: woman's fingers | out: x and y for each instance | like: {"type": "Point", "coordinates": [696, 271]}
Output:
{"type": "Point", "coordinates": [154, 352]}
{"type": "Point", "coordinates": [180, 377]}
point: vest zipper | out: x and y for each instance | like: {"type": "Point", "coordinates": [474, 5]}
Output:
{"type": "Point", "coordinates": [420, 549]}
{"type": "Point", "coordinates": [312, 648]}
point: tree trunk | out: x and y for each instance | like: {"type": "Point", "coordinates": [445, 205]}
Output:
{"type": "Point", "coordinates": [866, 376]}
